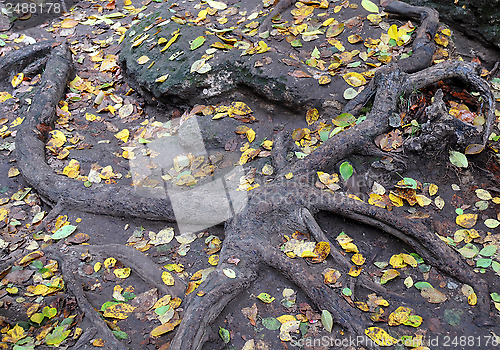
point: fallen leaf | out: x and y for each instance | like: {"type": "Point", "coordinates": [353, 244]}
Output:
{"type": "Point", "coordinates": [119, 311]}
{"type": "Point", "coordinates": [466, 220]}
{"type": "Point", "coordinates": [354, 79]}
{"type": "Point", "coordinates": [327, 320]}
{"type": "Point", "coordinates": [380, 336]}
{"type": "Point", "coordinates": [266, 298]}
{"type": "Point", "coordinates": [122, 273]}
{"type": "Point", "coordinates": [143, 59]}
{"type": "Point", "coordinates": [369, 6]}
{"type": "Point", "coordinates": [17, 79]}
{"type": "Point", "coordinates": [167, 278]}
{"type": "Point", "coordinates": [69, 23]}
{"type": "Point", "coordinates": [458, 159]}
{"type": "Point", "coordinates": [433, 295]}
{"type": "Point", "coordinates": [389, 275]}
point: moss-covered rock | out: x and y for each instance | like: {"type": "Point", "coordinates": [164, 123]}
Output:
{"type": "Point", "coordinates": [264, 73]}
{"type": "Point", "coordinates": [477, 18]}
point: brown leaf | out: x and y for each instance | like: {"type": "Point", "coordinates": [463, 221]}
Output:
{"type": "Point", "coordinates": [299, 74]}
{"type": "Point", "coordinates": [251, 313]}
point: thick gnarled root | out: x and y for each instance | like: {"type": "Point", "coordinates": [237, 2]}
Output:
{"type": "Point", "coordinates": [219, 290]}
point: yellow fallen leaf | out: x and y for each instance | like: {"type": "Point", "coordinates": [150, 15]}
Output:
{"type": "Point", "coordinates": [433, 189]}
{"type": "Point", "coordinates": [119, 311]}
{"type": "Point", "coordinates": [98, 342]}
{"type": "Point", "coordinates": [362, 306]}
{"type": "Point", "coordinates": [109, 262]}
{"type": "Point", "coordinates": [393, 32]}
{"type": "Point", "coordinates": [312, 116]}
{"type": "Point", "coordinates": [355, 271]}
{"type": "Point", "coordinates": [143, 59]}
{"type": "Point", "coordinates": [483, 194]}
{"type": "Point", "coordinates": [213, 260]}
{"type": "Point", "coordinates": [91, 117]}
{"type": "Point", "coordinates": [69, 23]}
{"type": "Point", "coordinates": [286, 318]}
{"type": "Point", "coordinates": [30, 257]}
{"type": "Point", "coordinates": [358, 259]}
{"type": "Point", "coordinates": [399, 316]}
{"type": "Point", "coordinates": [472, 299]}
{"type": "Point", "coordinates": [122, 273]}
{"type": "Point", "coordinates": [331, 276]}
{"type": "Point", "coordinates": [389, 275]}
{"type": "Point", "coordinates": [354, 79]}
{"type": "Point", "coordinates": [18, 79]}
{"type": "Point", "coordinates": [321, 251]}
{"type": "Point", "coordinates": [250, 135]}
{"type": "Point", "coordinates": [14, 335]}
{"type": "Point", "coordinates": [324, 79]}
{"type": "Point", "coordinates": [380, 337]}
{"type": "Point", "coordinates": [171, 41]}
{"type": "Point", "coordinates": [123, 135]}
{"type": "Point", "coordinates": [423, 200]}
{"type": "Point", "coordinates": [466, 220]}
{"type": "Point", "coordinates": [167, 278]}
{"type": "Point", "coordinates": [165, 328]}
{"type": "Point", "coordinates": [72, 170]}
{"type": "Point", "coordinates": [13, 172]}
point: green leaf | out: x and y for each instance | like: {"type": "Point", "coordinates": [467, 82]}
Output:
{"type": "Point", "coordinates": [469, 251]}
{"type": "Point", "coordinates": [315, 53]}
{"type": "Point", "coordinates": [300, 155]}
{"type": "Point", "coordinates": [422, 285]}
{"type": "Point", "coordinates": [64, 232]}
{"type": "Point", "coordinates": [58, 335]}
{"type": "Point", "coordinates": [458, 159]}
{"type": "Point", "coordinates": [369, 6]}
{"type": "Point", "coordinates": [484, 263]}
{"type": "Point", "coordinates": [410, 183]}
{"type": "Point", "coordinates": [492, 223]}
{"type": "Point", "coordinates": [108, 304]}
{"type": "Point", "coordinates": [346, 170]}
{"type": "Point", "coordinates": [271, 323]}
{"type": "Point", "coordinates": [452, 316]}
{"type": "Point", "coordinates": [327, 320]}
{"type": "Point", "coordinates": [37, 318]}
{"type": "Point", "coordinates": [120, 334]}
{"type": "Point", "coordinates": [350, 93]}
{"type": "Point", "coordinates": [488, 250]}
{"type": "Point", "coordinates": [68, 321]}
{"type": "Point", "coordinates": [266, 298]}
{"type": "Point", "coordinates": [162, 309]}
{"type": "Point", "coordinates": [344, 120]}
{"type": "Point", "coordinates": [128, 296]}
{"type": "Point", "coordinates": [495, 265]}
{"type": "Point", "coordinates": [347, 292]}
{"type": "Point", "coordinates": [225, 335]}
{"type": "Point", "coordinates": [495, 297]}
{"type": "Point", "coordinates": [37, 264]}
{"type": "Point", "coordinates": [49, 312]}
{"type": "Point", "coordinates": [196, 43]}
{"type": "Point", "coordinates": [417, 257]}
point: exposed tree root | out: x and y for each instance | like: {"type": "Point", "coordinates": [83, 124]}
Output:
{"type": "Point", "coordinates": [252, 235]}
{"type": "Point", "coordinates": [99, 327]}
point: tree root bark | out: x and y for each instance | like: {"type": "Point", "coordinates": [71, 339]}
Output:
{"type": "Point", "coordinates": [252, 234]}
